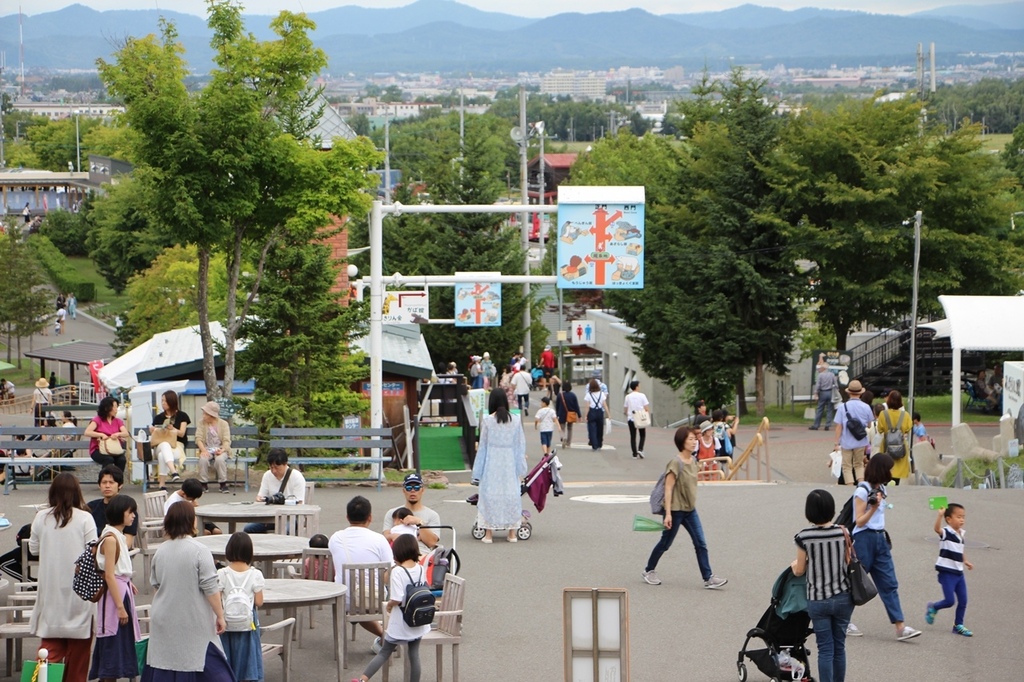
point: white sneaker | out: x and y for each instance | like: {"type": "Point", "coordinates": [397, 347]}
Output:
{"type": "Point", "coordinates": [853, 631]}
{"type": "Point", "coordinates": [651, 578]}
{"type": "Point", "coordinates": [375, 647]}
{"type": "Point", "coordinates": [714, 582]}
{"type": "Point", "coordinates": [907, 633]}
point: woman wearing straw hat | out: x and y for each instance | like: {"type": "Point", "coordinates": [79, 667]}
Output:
{"type": "Point", "coordinates": [41, 396]}
{"type": "Point", "coordinates": [213, 440]}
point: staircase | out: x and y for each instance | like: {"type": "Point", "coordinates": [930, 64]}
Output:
{"type": "Point", "coordinates": [883, 362]}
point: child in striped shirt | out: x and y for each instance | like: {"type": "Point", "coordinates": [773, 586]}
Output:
{"type": "Point", "coordinates": [950, 567]}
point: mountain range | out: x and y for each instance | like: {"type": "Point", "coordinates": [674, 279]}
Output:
{"type": "Point", "coordinates": [446, 36]}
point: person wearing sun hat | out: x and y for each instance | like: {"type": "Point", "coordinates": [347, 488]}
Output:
{"type": "Point", "coordinates": [213, 441]}
{"type": "Point", "coordinates": [41, 396]}
{"type": "Point", "coordinates": [852, 447]}
{"type": "Point", "coordinates": [489, 372]}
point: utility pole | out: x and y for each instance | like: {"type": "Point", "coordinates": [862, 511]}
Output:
{"type": "Point", "coordinates": [913, 311]}
{"type": "Point", "coordinates": [387, 159]}
{"type": "Point", "coordinates": [3, 64]}
{"type": "Point", "coordinates": [524, 144]}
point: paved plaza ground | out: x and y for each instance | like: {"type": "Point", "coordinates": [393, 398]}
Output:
{"type": "Point", "coordinates": [678, 630]}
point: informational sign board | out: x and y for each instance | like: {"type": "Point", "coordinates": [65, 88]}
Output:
{"type": "Point", "coordinates": [405, 307]}
{"type": "Point", "coordinates": [838, 363]}
{"type": "Point", "coordinates": [478, 305]}
{"type": "Point", "coordinates": [600, 237]}
{"type": "Point", "coordinates": [392, 389]}
{"type": "Point", "coordinates": [1013, 396]}
{"type": "Point", "coordinates": [581, 333]}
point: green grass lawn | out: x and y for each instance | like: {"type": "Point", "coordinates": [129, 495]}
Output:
{"type": "Point", "coordinates": [934, 410]}
{"type": "Point", "coordinates": [107, 303]}
{"type": "Point", "coordinates": [996, 142]}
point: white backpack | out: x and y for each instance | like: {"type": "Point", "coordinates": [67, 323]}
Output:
{"type": "Point", "coordinates": [238, 602]}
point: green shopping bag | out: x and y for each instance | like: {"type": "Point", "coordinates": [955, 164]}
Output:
{"type": "Point", "coordinates": [644, 524]}
{"type": "Point", "coordinates": [54, 672]}
{"type": "Point", "coordinates": [141, 653]}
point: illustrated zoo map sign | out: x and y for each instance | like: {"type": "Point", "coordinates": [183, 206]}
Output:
{"type": "Point", "coordinates": [600, 237]}
{"type": "Point", "coordinates": [478, 305]}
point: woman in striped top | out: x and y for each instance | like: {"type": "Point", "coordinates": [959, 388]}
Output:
{"type": "Point", "coordinates": [822, 554]}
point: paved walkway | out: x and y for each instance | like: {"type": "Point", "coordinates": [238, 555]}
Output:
{"type": "Point", "coordinates": [678, 630]}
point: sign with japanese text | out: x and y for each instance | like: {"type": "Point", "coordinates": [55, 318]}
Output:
{"type": "Point", "coordinates": [405, 307]}
{"type": "Point", "coordinates": [391, 389]}
{"type": "Point", "coordinates": [600, 237]}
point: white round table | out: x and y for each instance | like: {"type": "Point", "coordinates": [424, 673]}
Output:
{"type": "Point", "coordinates": [234, 512]}
{"type": "Point", "coordinates": [266, 548]}
{"type": "Point", "coordinates": [292, 594]}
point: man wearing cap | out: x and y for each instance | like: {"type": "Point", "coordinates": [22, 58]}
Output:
{"type": "Point", "coordinates": [213, 441]}
{"type": "Point", "coordinates": [489, 371]}
{"type": "Point", "coordinates": [422, 515]}
{"type": "Point", "coordinates": [853, 447]}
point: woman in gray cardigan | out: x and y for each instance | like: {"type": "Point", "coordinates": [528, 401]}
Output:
{"type": "Point", "coordinates": [187, 615]}
{"type": "Point", "coordinates": [62, 619]}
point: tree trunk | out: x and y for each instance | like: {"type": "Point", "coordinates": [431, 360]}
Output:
{"type": "Point", "coordinates": [203, 307]}
{"type": "Point", "coordinates": [759, 384]}
{"type": "Point", "coordinates": [741, 398]}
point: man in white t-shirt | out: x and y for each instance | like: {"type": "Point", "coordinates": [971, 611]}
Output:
{"type": "Point", "coordinates": [279, 478]}
{"type": "Point", "coordinates": [357, 544]}
{"type": "Point", "coordinates": [422, 515]}
{"type": "Point", "coordinates": [191, 490]}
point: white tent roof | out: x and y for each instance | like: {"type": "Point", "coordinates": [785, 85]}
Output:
{"type": "Point", "coordinates": [165, 349]}
{"type": "Point", "coordinates": [985, 322]}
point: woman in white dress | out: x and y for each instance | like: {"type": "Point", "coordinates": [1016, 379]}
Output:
{"type": "Point", "coordinates": [500, 466]}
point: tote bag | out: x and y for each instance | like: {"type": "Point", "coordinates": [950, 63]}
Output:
{"type": "Point", "coordinates": [641, 419]}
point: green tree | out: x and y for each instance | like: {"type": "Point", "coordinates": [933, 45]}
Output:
{"type": "Point", "coordinates": [1013, 154]}
{"type": "Point", "coordinates": [230, 168]}
{"type": "Point", "coordinates": [58, 143]}
{"type": "Point", "coordinates": [123, 239]}
{"type": "Point", "coordinates": [165, 296]}
{"type": "Point", "coordinates": [68, 231]}
{"type": "Point", "coordinates": [26, 301]}
{"type": "Point", "coordinates": [297, 340]}
{"type": "Point", "coordinates": [847, 182]}
{"type": "Point", "coordinates": [717, 298]}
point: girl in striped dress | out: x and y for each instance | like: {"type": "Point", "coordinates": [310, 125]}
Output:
{"type": "Point", "coordinates": [823, 554]}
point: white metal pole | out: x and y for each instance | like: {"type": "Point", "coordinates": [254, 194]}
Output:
{"type": "Point", "coordinates": [524, 141]}
{"type": "Point", "coordinates": [78, 143]}
{"type": "Point", "coordinates": [376, 315]}
{"type": "Point", "coordinates": [913, 311]}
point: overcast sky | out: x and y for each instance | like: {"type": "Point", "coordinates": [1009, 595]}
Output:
{"type": "Point", "coordinates": [528, 8]}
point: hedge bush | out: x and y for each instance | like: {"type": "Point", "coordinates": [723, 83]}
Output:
{"type": "Point", "coordinates": [56, 265]}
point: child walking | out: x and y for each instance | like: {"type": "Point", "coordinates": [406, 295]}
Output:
{"type": "Point", "coordinates": [545, 421]}
{"type": "Point", "coordinates": [681, 510]}
{"type": "Point", "coordinates": [241, 588]}
{"type": "Point", "coordinates": [117, 626]}
{"type": "Point", "coordinates": [405, 572]}
{"type": "Point", "coordinates": [950, 567]}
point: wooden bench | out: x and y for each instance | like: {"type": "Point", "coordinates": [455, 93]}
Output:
{"type": "Point", "coordinates": [36, 433]}
{"type": "Point", "coordinates": [243, 438]}
{"type": "Point", "coordinates": [337, 439]}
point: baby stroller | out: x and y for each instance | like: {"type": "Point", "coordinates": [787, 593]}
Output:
{"type": "Point", "coordinates": [539, 480]}
{"type": "Point", "coordinates": [783, 628]}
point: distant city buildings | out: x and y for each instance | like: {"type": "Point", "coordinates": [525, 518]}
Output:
{"type": "Point", "coordinates": [580, 86]}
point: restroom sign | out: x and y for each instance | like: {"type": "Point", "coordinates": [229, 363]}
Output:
{"type": "Point", "coordinates": [581, 333]}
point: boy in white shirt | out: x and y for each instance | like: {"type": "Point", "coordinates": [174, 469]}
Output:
{"type": "Point", "coordinates": [545, 422]}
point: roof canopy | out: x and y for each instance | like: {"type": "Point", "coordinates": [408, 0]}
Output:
{"type": "Point", "coordinates": [985, 322]}
{"type": "Point", "coordinates": [75, 352]}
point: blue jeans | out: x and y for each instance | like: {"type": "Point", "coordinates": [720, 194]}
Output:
{"type": "Point", "coordinates": [829, 618]}
{"type": "Point", "coordinates": [953, 585]}
{"type": "Point", "coordinates": [873, 552]}
{"type": "Point", "coordinates": [257, 528]}
{"type": "Point", "coordinates": [824, 407]}
{"type": "Point", "coordinates": [691, 522]}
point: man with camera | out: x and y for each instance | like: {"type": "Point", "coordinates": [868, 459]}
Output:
{"type": "Point", "coordinates": [280, 483]}
{"type": "Point", "coordinates": [422, 515]}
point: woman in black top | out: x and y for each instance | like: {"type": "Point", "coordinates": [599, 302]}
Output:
{"type": "Point", "coordinates": [566, 402]}
{"type": "Point", "coordinates": [167, 453]}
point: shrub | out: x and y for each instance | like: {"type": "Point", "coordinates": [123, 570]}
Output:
{"type": "Point", "coordinates": [67, 231]}
{"type": "Point", "coordinates": [56, 265]}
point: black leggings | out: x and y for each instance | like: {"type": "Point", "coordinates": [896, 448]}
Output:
{"type": "Point", "coordinates": [387, 648]}
{"type": "Point", "coordinates": [120, 461]}
{"type": "Point", "coordinates": [632, 437]}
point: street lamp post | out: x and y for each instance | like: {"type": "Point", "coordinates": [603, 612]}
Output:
{"type": "Point", "coordinates": [913, 311]}
{"type": "Point", "coordinates": [78, 142]}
